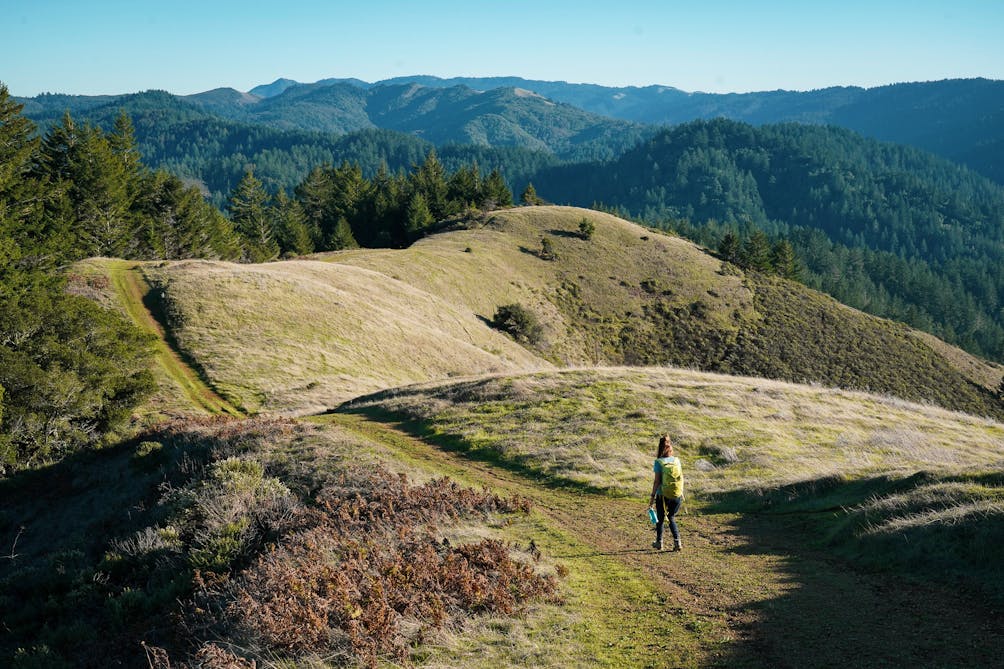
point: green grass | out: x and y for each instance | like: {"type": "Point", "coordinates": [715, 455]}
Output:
{"type": "Point", "coordinates": [884, 483]}
{"type": "Point", "coordinates": [598, 427]}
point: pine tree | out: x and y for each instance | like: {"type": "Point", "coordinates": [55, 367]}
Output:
{"type": "Point", "coordinates": [496, 192]}
{"type": "Point", "coordinates": [292, 234]}
{"type": "Point", "coordinates": [756, 252]}
{"type": "Point", "coordinates": [729, 248]}
{"type": "Point", "coordinates": [313, 194]}
{"type": "Point", "coordinates": [342, 237]}
{"type": "Point", "coordinates": [429, 179]}
{"type": "Point", "coordinates": [123, 144]}
{"type": "Point", "coordinates": [465, 188]}
{"type": "Point", "coordinates": [252, 219]}
{"type": "Point", "coordinates": [784, 260]}
{"type": "Point", "coordinates": [417, 217]}
{"type": "Point", "coordinates": [529, 196]}
{"type": "Point", "coordinates": [179, 223]}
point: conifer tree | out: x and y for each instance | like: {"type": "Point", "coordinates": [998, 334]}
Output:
{"type": "Point", "coordinates": [784, 261]}
{"type": "Point", "coordinates": [417, 217]}
{"type": "Point", "coordinates": [252, 219]}
{"type": "Point", "coordinates": [429, 179]}
{"type": "Point", "coordinates": [755, 253]}
{"type": "Point", "coordinates": [529, 196]}
{"type": "Point", "coordinates": [496, 191]}
{"type": "Point", "coordinates": [313, 194]}
{"type": "Point", "coordinates": [729, 248]}
{"type": "Point", "coordinates": [292, 234]}
{"type": "Point", "coordinates": [465, 187]}
{"type": "Point", "coordinates": [342, 238]}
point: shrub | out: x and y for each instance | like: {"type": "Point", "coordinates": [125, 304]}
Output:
{"type": "Point", "coordinates": [547, 251]}
{"type": "Point", "coordinates": [586, 228]}
{"type": "Point", "coordinates": [519, 322]}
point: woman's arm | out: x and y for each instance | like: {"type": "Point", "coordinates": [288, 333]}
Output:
{"type": "Point", "coordinates": [655, 487]}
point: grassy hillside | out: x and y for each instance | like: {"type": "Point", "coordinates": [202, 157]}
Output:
{"type": "Point", "coordinates": [884, 471]}
{"type": "Point", "coordinates": [633, 296]}
{"type": "Point", "coordinates": [302, 336]}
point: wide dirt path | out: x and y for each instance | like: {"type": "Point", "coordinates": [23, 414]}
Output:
{"type": "Point", "coordinates": [134, 293]}
{"type": "Point", "coordinates": [747, 591]}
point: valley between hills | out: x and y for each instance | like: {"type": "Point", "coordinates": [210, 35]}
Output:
{"type": "Point", "coordinates": [844, 473]}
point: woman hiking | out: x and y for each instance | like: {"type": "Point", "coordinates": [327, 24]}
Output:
{"type": "Point", "coordinates": [667, 492]}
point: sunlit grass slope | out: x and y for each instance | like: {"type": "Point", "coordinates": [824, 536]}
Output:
{"type": "Point", "coordinates": [300, 336]}
{"type": "Point", "coordinates": [629, 295]}
{"type": "Point", "coordinates": [599, 427]}
{"type": "Point", "coordinates": [904, 486]}
{"type": "Point", "coordinates": [586, 296]}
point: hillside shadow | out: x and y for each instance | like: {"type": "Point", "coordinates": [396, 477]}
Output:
{"type": "Point", "coordinates": [520, 465]}
{"type": "Point", "coordinates": [567, 234]}
{"type": "Point", "coordinates": [857, 600]}
{"type": "Point", "coordinates": [154, 302]}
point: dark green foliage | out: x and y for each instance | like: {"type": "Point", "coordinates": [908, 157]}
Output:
{"type": "Point", "coordinates": [529, 196]}
{"type": "Point", "coordinates": [292, 233]}
{"type": "Point", "coordinates": [344, 209]}
{"type": "Point", "coordinates": [518, 322]}
{"type": "Point", "coordinates": [177, 222]}
{"type": "Point", "coordinates": [586, 228]}
{"type": "Point", "coordinates": [783, 260]}
{"type": "Point", "coordinates": [729, 247]}
{"type": "Point", "coordinates": [756, 253]}
{"type": "Point", "coordinates": [884, 228]}
{"type": "Point", "coordinates": [417, 217]}
{"type": "Point", "coordinates": [72, 372]}
{"type": "Point", "coordinates": [254, 220]}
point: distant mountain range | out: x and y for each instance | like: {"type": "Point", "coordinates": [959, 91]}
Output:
{"type": "Point", "coordinates": [959, 119]}
{"type": "Point", "coordinates": [442, 115]}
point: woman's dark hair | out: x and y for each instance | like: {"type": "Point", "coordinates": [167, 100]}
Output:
{"type": "Point", "coordinates": [665, 447]}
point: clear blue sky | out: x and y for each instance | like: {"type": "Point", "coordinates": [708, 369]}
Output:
{"type": "Point", "coordinates": [186, 46]}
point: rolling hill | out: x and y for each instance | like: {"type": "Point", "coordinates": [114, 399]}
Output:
{"type": "Point", "coordinates": [302, 335]}
{"type": "Point", "coordinates": [336, 536]}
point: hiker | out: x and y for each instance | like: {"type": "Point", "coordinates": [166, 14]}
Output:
{"type": "Point", "coordinates": [667, 492]}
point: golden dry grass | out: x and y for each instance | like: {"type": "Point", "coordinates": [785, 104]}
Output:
{"type": "Point", "coordinates": [302, 336]}
{"type": "Point", "coordinates": [599, 427]}
{"type": "Point", "coordinates": [592, 282]}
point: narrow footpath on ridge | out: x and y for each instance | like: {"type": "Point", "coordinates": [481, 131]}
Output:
{"type": "Point", "coordinates": [748, 590]}
{"type": "Point", "coordinates": [134, 292]}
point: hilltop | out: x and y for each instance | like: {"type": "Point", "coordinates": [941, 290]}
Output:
{"type": "Point", "coordinates": [301, 335]}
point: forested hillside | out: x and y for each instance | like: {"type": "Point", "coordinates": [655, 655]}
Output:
{"type": "Point", "coordinates": [215, 152]}
{"type": "Point", "coordinates": [959, 119]}
{"type": "Point", "coordinates": [886, 228]}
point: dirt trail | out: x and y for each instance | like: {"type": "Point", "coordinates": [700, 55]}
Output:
{"type": "Point", "coordinates": [747, 591]}
{"type": "Point", "coordinates": [133, 290]}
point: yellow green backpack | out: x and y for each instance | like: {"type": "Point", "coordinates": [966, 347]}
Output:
{"type": "Point", "coordinates": [672, 477]}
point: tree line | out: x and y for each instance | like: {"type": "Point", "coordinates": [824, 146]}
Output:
{"type": "Point", "coordinates": [70, 371]}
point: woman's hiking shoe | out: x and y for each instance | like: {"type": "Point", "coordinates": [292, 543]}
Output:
{"type": "Point", "coordinates": [677, 545]}
{"type": "Point", "coordinates": [657, 545]}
